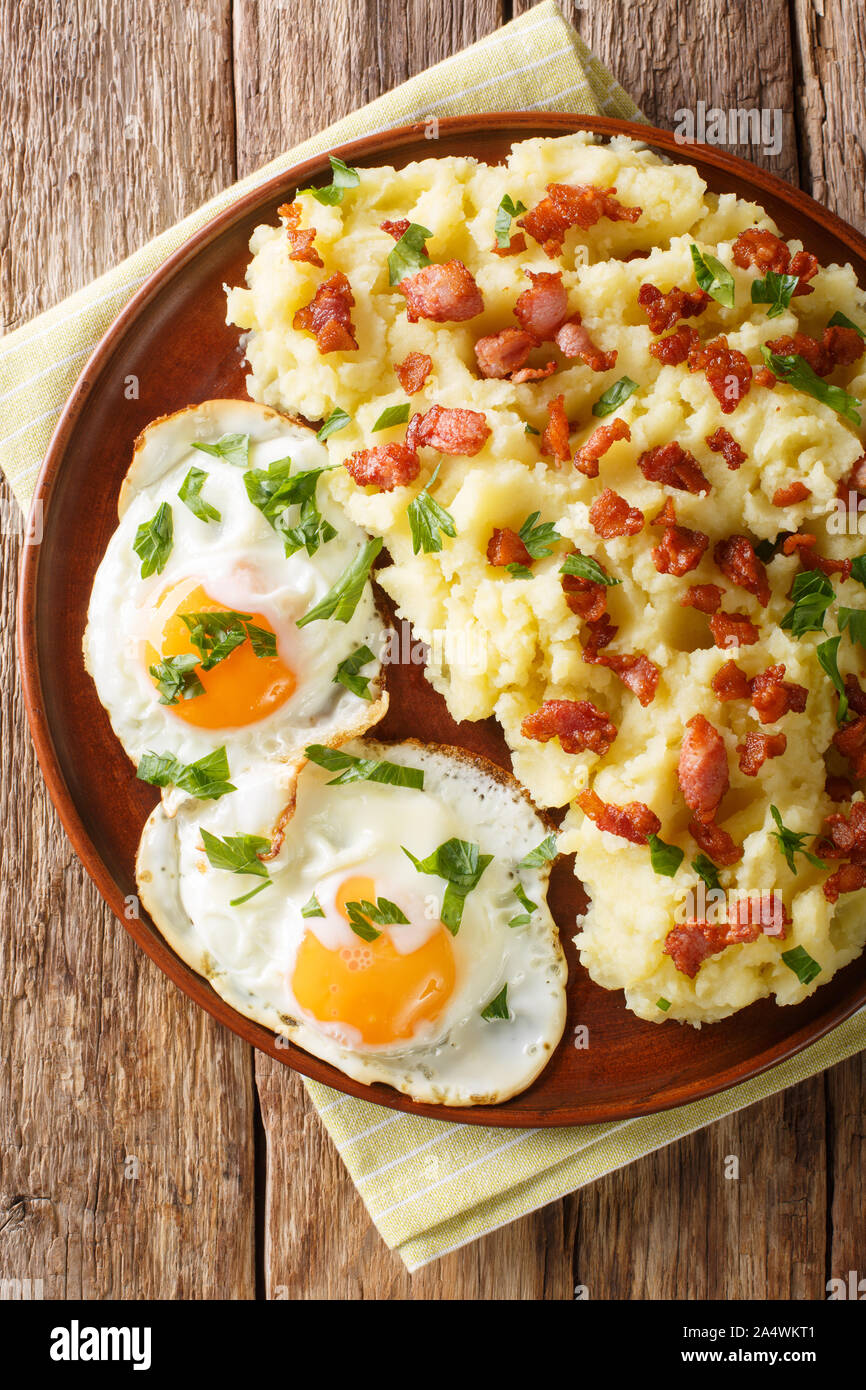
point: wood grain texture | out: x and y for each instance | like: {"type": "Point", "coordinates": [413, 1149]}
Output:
{"type": "Point", "coordinates": [159, 105]}
{"type": "Point", "coordinates": [126, 1139]}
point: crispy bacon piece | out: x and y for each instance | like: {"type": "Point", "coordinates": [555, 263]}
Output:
{"type": "Point", "coordinates": [855, 481]}
{"type": "Point", "coordinates": [727, 370]}
{"type": "Point", "coordinates": [706, 598]}
{"type": "Point", "coordinates": [847, 879]}
{"type": "Point", "coordinates": [803, 545]}
{"type": "Point", "coordinates": [764, 377]}
{"type": "Point", "coordinates": [792, 494]}
{"type": "Point", "coordinates": [738, 562]}
{"type": "Point", "coordinates": [573, 340]}
{"type": "Point", "coordinates": [715, 842]}
{"type": "Point", "coordinates": [847, 835]}
{"type": "Point", "coordinates": [851, 742]}
{"type": "Point", "coordinates": [690, 945]}
{"type": "Point", "coordinates": [533, 373]}
{"type": "Point", "coordinates": [601, 634]}
{"type": "Point", "coordinates": [702, 770]}
{"type": "Point", "coordinates": [839, 347]}
{"type": "Point", "coordinates": [444, 293]}
{"type": "Point", "coordinates": [387, 466]}
{"type": "Point", "coordinates": [300, 242]}
{"type": "Point", "coordinates": [733, 630]}
{"type": "Point", "coordinates": [838, 788]}
{"type": "Point", "coordinates": [328, 317]}
{"type": "Point", "coordinates": [610, 515]}
{"type": "Point", "coordinates": [773, 696]}
{"type": "Point", "coordinates": [515, 246]}
{"type": "Point", "coordinates": [730, 683]}
{"type": "Point", "coordinates": [506, 548]}
{"type": "Point", "coordinates": [674, 350]}
{"type": "Point", "coordinates": [856, 696]}
{"type": "Point", "coordinates": [585, 597]}
{"type": "Point", "coordinates": [554, 439]}
{"type": "Point", "coordinates": [570, 205]}
{"type": "Point", "coordinates": [451, 431]}
{"type": "Point", "coordinates": [634, 821]}
{"type": "Point", "coordinates": [764, 249]}
{"type": "Point", "coordinates": [397, 228]}
{"type": "Point", "coordinates": [757, 749]}
{"type": "Point", "coordinates": [721, 442]}
{"type": "Point", "coordinates": [500, 354]}
{"type": "Point", "coordinates": [679, 549]}
{"type": "Point", "coordinates": [664, 310]}
{"type": "Point", "coordinates": [542, 309]}
{"type": "Point", "coordinates": [673, 466]}
{"type": "Point", "coordinates": [603, 436]}
{"type": "Point", "coordinates": [413, 371]}
{"type": "Point", "coordinates": [636, 671]}
{"type": "Point", "coordinates": [578, 725]}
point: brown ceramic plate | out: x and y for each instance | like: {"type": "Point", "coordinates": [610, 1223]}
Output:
{"type": "Point", "coordinates": [173, 337]}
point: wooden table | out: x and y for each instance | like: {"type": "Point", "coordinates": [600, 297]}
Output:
{"type": "Point", "coordinates": [145, 1151]}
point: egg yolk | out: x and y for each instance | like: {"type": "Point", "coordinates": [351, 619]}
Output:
{"type": "Point", "coordinates": [369, 985]}
{"type": "Point", "coordinates": [239, 690]}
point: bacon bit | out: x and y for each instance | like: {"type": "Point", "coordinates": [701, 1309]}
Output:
{"type": "Point", "coordinates": [690, 945]}
{"type": "Point", "coordinates": [397, 229]}
{"type": "Point", "coordinates": [721, 442]}
{"type": "Point", "coordinates": [601, 634]}
{"type": "Point", "coordinates": [636, 256]}
{"type": "Point", "coordinates": [730, 683]}
{"type": "Point", "coordinates": [637, 672]}
{"type": "Point", "coordinates": [300, 242]}
{"type": "Point", "coordinates": [500, 354]}
{"type": "Point", "coordinates": [738, 562]}
{"type": "Point", "coordinates": [569, 205]}
{"type": "Point", "coordinates": [610, 515]}
{"type": "Point", "coordinates": [603, 436]}
{"type": "Point", "coordinates": [727, 370]}
{"type": "Point", "coordinates": [540, 310]}
{"type": "Point", "coordinates": [733, 630]}
{"type": "Point", "coordinates": [855, 481]}
{"type": "Point", "coordinates": [514, 247]}
{"type": "Point", "coordinates": [413, 371]}
{"type": "Point", "coordinates": [506, 548]}
{"type": "Point", "coordinates": [673, 350]}
{"type": "Point", "coordinates": [585, 597]}
{"type": "Point", "coordinates": [856, 697]}
{"type": "Point", "coordinates": [839, 347]}
{"type": "Point", "coordinates": [847, 834]}
{"type": "Point", "coordinates": [847, 879]}
{"type": "Point", "coordinates": [673, 466]}
{"type": "Point", "coordinates": [716, 843]}
{"type": "Point", "coordinates": [679, 549]}
{"type": "Point", "coordinates": [442, 293]}
{"type": "Point", "coordinates": [578, 725]}
{"type": "Point", "coordinates": [757, 749]}
{"type": "Point", "coordinates": [803, 545]}
{"type": "Point", "coordinates": [533, 373]}
{"type": "Point", "coordinates": [851, 743]}
{"type": "Point", "coordinates": [327, 315]}
{"type": "Point", "coordinates": [702, 770]}
{"type": "Point", "coordinates": [773, 696]}
{"type": "Point", "coordinates": [706, 598]}
{"type": "Point", "coordinates": [792, 494]}
{"type": "Point", "coordinates": [573, 340]}
{"type": "Point", "coordinates": [387, 466]}
{"type": "Point", "coordinates": [764, 377]}
{"type": "Point", "coordinates": [451, 431]}
{"type": "Point", "coordinates": [554, 439]}
{"type": "Point", "coordinates": [634, 821]}
{"type": "Point", "coordinates": [838, 788]}
{"type": "Point", "coordinates": [664, 310]}
{"type": "Point", "coordinates": [764, 249]}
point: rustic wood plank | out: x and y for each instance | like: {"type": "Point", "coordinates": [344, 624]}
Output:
{"type": "Point", "coordinates": [125, 1112]}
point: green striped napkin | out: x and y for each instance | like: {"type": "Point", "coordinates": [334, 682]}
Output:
{"type": "Point", "coordinates": [429, 1186]}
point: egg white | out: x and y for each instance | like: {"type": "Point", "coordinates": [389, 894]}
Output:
{"type": "Point", "coordinates": [240, 560]}
{"type": "Point", "coordinates": [331, 832]}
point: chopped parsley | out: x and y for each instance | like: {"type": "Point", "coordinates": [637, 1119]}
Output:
{"type": "Point", "coordinates": [337, 420]}
{"type": "Point", "coordinates": [539, 541]}
{"type": "Point", "coordinates": [429, 521]}
{"type": "Point", "coordinates": [349, 673]}
{"type": "Point", "coordinates": [409, 254]}
{"type": "Point", "coordinates": [189, 493]}
{"type": "Point", "coordinates": [665, 858]}
{"type": "Point", "coordinates": [351, 768]}
{"type": "Point", "coordinates": [234, 448]}
{"type": "Point", "coordinates": [498, 1007]}
{"type": "Point", "coordinates": [797, 373]}
{"type": "Point", "coordinates": [858, 569]}
{"type": "Point", "coordinates": [461, 864]}
{"type": "Point", "coordinates": [707, 870]}
{"type": "Point", "coordinates": [828, 656]}
{"type": "Point", "coordinates": [542, 854]}
{"type": "Point", "coordinates": [343, 597]}
{"type": "Point", "coordinates": [342, 177]}
{"type": "Point", "coordinates": [791, 842]}
{"type": "Point", "coordinates": [383, 912]}
{"type": "Point", "coordinates": [840, 320]}
{"type": "Point", "coordinates": [206, 779]}
{"type": "Point", "coordinates": [217, 635]}
{"type": "Point", "coordinates": [176, 678]}
{"type": "Point", "coordinates": [804, 967]}
{"type": "Point", "coordinates": [584, 567]}
{"type": "Point", "coordinates": [153, 541]}
{"type": "Point", "coordinates": [312, 907]}
{"type": "Point", "coordinates": [775, 290]}
{"type": "Point", "coordinates": [614, 396]}
{"type": "Point", "coordinates": [812, 593]}
{"type": "Point", "coordinates": [392, 415]}
{"type": "Point", "coordinates": [239, 854]}
{"type": "Point", "coordinates": [854, 619]}
{"type": "Point", "coordinates": [714, 278]}
{"type": "Point", "coordinates": [527, 904]}
{"type": "Point", "coordinates": [273, 490]}
{"type": "Point", "coordinates": [663, 1004]}
{"type": "Point", "coordinates": [507, 210]}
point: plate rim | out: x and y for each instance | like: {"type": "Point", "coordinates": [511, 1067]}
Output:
{"type": "Point", "coordinates": [147, 937]}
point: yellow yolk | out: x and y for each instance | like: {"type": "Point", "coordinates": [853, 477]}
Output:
{"type": "Point", "coordinates": [239, 690]}
{"type": "Point", "coordinates": [369, 985]}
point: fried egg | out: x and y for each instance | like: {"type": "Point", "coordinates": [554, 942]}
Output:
{"type": "Point", "coordinates": [199, 628]}
{"type": "Point", "coordinates": [396, 928]}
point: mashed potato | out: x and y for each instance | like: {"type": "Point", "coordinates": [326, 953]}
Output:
{"type": "Point", "coordinates": [501, 644]}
